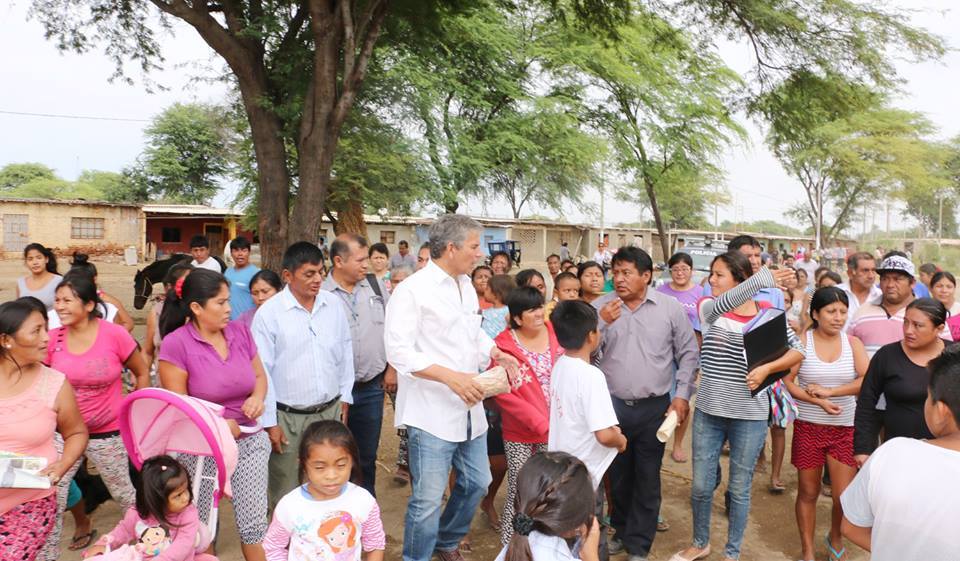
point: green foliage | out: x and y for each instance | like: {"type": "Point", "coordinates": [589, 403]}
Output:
{"type": "Point", "coordinates": [847, 146]}
{"type": "Point", "coordinates": [770, 227]}
{"type": "Point", "coordinates": [56, 188]}
{"type": "Point", "coordinates": [15, 175]}
{"type": "Point", "coordinates": [664, 103]}
{"type": "Point", "coordinates": [185, 155]}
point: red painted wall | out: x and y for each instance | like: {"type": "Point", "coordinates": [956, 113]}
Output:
{"type": "Point", "coordinates": [189, 227]}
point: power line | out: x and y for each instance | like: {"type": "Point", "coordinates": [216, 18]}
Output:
{"type": "Point", "coordinates": [85, 117]}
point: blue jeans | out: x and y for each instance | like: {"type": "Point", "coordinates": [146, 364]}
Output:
{"type": "Point", "coordinates": [365, 417]}
{"type": "Point", "coordinates": [431, 458]}
{"type": "Point", "coordinates": [746, 441]}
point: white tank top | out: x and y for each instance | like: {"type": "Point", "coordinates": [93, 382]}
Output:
{"type": "Point", "coordinates": [829, 375]}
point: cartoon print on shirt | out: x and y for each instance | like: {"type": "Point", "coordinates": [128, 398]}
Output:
{"type": "Point", "coordinates": [153, 540]}
{"type": "Point", "coordinates": [339, 532]}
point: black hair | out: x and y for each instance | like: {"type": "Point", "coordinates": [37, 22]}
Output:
{"type": "Point", "coordinates": [501, 285]}
{"type": "Point", "coordinates": [743, 239]}
{"type": "Point", "coordinates": [175, 272]}
{"type": "Point", "coordinates": [822, 298]}
{"type": "Point", "coordinates": [894, 253]}
{"type": "Point", "coordinates": [239, 242]}
{"type": "Point", "coordinates": [522, 299]}
{"type": "Point", "coordinates": [199, 241]}
{"type": "Point", "coordinates": [81, 284]}
{"type": "Point", "coordinates": [567, 263]}
{"type": "Point", "coordinates": [835, 277]}
{"type": "Point", "coordinates": [13, 314]}
{"type": "Point", "coordinates": [931, 308]}
{"type": "Point", "coordinates": [301, 253]}
{"type": "Point", "coordinates": [380, 248]}
{"type": "Point", "coordinates": [552, 255]}
{"type": "Point", "coordinates": [525, 276]}
{"type": "Point", "coordinates": [928, 268]}
{"type": "Point", "coordinates": [940, 275]}
{"type": "Point", "coordinates": [267, 276]}
{"type": "Point", "coordinates": [36, 304]}
{"type": "Point", "coordinates": [564, 276]}
{"type": "Point", "coordinates": [582, 268]}
{"type": "Point", "coordinates": [51, 257]}
{"type": "Point", "coordinates": [680, 257]}
{"type": "Point", "coordinates": [333, 433]}
{"type": "Point", "coordinates": [505, 255]}
{"type": "Point", "coordinates": [555, 496]}
{"type": "Point", "coordinates": [341, 245]}
{"type": "Point", "coordinates": [737, 263]}
{"type": "Point", "coordinates": [199, 286]}
{"type": "Point", "coordinates": [159, 476]}
{"type": "Point", "coordinates": [473, 275]}
{"type": "Point", "coordinates": [945, 379]}
{"type": "Point", "coordinates": [403, 243]}
{"type": "Point", "coordinates": [572, 321]}
{"type": "Point", "coordinates": [629, 254]}
{"type": "Point", "coordinates": [81, 262]}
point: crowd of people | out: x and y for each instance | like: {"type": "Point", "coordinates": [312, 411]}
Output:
{"type": "Point", "coordinates": [597, 354]}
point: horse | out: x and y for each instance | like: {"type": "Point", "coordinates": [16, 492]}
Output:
{"type": "Point", "coordinates": [153, 273]}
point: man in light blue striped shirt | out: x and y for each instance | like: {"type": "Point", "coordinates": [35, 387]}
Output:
{"type": "Point", "coordinates": [304, 342]}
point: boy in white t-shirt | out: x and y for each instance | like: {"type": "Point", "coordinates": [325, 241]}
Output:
{"type": "Point", "coordinates": [582, 420]}
{"type": "Point", "coordinates": [905, 502]}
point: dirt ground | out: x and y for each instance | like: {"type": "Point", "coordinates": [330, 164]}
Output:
{"type": "Point", "coordinates": [771, 533]}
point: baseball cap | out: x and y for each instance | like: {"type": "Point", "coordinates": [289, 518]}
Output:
{"type": "Point", "coordinates": [899, 264]}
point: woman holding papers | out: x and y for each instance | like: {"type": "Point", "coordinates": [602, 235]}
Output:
{"type": "Point", "coordinates": [35, 402]}
{"type": "Point", "coordinates": [825, 386]}
{"type": "Point", "coordinates": [726, 408]}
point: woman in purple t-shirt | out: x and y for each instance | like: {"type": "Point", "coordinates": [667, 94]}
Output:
{"type": "Point", "coordinates": [688, 293]}
{"type": "Point", "coordinates": [205, 355]}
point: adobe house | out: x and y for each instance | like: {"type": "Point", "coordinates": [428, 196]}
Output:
{"type": "Point", "coordinates": [170, 227]}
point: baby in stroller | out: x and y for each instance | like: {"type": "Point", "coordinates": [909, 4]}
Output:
{"type": "Point", "coordinates": [164, 525]}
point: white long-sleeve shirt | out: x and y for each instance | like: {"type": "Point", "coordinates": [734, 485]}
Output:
{"type": "Point", "coordinates": [433, 318]}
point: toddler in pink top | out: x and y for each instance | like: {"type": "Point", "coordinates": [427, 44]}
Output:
{"type": "Point", "coordinates": [164, 526]}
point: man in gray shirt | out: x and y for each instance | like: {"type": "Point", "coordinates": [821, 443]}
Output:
{"type": "Point", "coordinates": [403, 257]}
{"type": "Point", "coordinates": [364, 299]}
{"type": "Point", "coordinates": [648, 349]}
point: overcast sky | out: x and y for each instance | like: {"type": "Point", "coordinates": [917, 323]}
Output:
{"type": "Point", "coordinates": [37, 78]}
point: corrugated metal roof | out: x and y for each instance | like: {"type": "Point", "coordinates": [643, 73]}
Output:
{"type": "Point", "coordinates": [189, 210]}
{"type": "Point", "coordinates": [74, 202]}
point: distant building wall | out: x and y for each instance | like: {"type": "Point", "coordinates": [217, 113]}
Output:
{"type": "Point", "coordinates": [68, 227]}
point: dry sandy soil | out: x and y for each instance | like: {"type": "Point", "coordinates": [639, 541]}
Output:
{"type": "Point", "coordinates": [771, 532]}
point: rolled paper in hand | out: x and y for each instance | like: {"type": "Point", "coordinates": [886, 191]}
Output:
{"type": "Point", "coordinates": [667, 427]}
{"type": "Point", "coordinates": [493, 382]}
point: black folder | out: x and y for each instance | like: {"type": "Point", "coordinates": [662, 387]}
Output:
{"type": "Point", "coordinates": [765, 341]}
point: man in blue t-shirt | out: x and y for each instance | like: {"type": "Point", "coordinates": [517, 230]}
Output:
{"type": "Point", "coordinates": [239, 277]}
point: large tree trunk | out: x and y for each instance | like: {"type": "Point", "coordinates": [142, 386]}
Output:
{"type": "Point", "coordinates": [661, 229]}
{"type": "Point", "coordinates": [273, 182]}
{"type": "Point", "coordinates": [350, 217]}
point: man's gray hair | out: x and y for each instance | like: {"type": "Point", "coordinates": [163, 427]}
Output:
{"type": "Point", "coordinates": [406, 269]}
{"type": "Point", "coordinates": [450, 228]}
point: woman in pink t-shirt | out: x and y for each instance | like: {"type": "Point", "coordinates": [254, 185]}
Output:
{"type": "Point", "coordinates": [205, 355]}
{"type": "Point", "coordinates": [92, 353]}
{"type": "Point", "coordinates": [35, 402]}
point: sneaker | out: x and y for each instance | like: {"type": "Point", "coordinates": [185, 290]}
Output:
{"type": "Point", "coordinates": [614, 546]}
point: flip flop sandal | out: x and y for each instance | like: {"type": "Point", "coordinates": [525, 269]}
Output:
{"type": "Point", "coordinates": [834, 554]}
{"type": "Point", "coordinates": [83, 541]}
{"type": "Point", "coordinates": [662, 524]}
{"type": "Point", "coordinates": [777, 488]}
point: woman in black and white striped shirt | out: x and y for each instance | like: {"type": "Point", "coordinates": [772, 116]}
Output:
{"type": "Point", "coordinates": [825, 386]}
{"type": "Point", "coordinates": [725, 410]}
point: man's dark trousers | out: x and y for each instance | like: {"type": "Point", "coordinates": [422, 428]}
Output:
{"type": "Point", "coordinates": [365, 417]}
{"type": "Point", "coordinates": [635, 474]}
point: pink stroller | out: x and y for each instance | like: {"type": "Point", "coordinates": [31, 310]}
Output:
{"type": "Point", "coordinates": [155, 421]}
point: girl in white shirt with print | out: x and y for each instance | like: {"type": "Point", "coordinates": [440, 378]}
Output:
{"type": "Point", "coordinates": [555, 504]}
{"type": "Point", "coordinates": [328, 517]}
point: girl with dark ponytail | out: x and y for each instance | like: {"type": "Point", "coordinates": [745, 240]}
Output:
{"type": "Point", "coordinates": [555, 505]}
{"type": "Point", "coordinates": [116, 312]}
{"type": "Point", "coordinates": [42, 281]}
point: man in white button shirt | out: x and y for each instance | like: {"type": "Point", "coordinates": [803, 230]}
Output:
{"type": "Point", "coordinates": [433, 339]}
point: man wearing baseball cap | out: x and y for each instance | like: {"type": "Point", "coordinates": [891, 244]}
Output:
{"type": "Point", "coordinates": [880, 322]}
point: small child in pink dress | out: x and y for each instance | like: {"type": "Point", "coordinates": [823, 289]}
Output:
{"type": "Point", "coordinates": [164, 526]}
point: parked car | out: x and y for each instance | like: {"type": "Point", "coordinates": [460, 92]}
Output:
{"type": "Point", "coordinates": [702, 252]}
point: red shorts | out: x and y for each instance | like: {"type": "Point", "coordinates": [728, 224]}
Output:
{"type": "Point", "coordinates": [812, 443]}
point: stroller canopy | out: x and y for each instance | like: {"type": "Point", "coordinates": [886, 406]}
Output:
{"type": "Point", "coordinates": [155, 421]}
